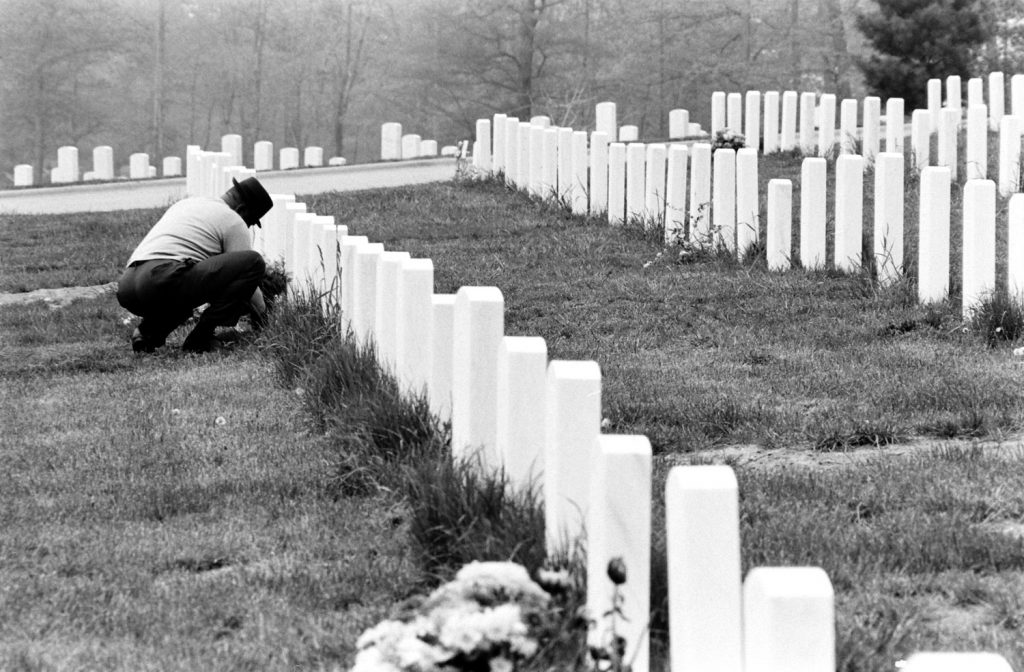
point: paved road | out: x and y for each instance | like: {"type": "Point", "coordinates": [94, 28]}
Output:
{"type": "Point", "coordinates": [162, 192]}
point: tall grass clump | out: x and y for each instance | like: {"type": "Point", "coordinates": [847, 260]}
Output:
{"type": "Point", "coordinates": [461, 512]}
{"type": "Point", "coordinates": [347, 396]}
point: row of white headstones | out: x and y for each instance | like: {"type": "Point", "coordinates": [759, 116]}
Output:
{"type": "Point", "coordinates": [67, 169]}
{"type": "Point", "coordinates": [396, 145]}
{"type": "Point", "coordinates": [540, 421]}
{"type": "Point", "coordinates": [656, 182]}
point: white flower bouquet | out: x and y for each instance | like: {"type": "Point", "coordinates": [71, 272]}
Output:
{"type": "Point", "coordinates": [486, 619]}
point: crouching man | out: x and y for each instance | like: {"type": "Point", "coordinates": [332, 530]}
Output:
{"type": "Point", "coordinates": [199, 252]}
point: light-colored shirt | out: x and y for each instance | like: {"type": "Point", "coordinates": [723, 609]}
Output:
{"type": "Point", "coordinates": [194, 228]}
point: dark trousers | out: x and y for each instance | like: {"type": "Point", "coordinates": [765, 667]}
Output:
{"type": "Point", "coordinates": [164, 292]}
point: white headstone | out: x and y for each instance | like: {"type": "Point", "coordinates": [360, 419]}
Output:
{"type": "Point", "coordinates": [848, 134]}
{"type": "Point", "coordinates": [790, 102]}
{"type": "Point", "coordinates": [171, 166]}
{"type": "Point", "coordinates": [288, 235]}
{"type": "Point", "coordinates": [888, 220]}
{"type": "Point", "coordinates": [976, 165]}
{"type": "Point", "coordinates": [450, 150]}
{"type": "Point", "coordinates": [138, 166]}
{"type": "Point", "coordinates": [826, 124]}
{"type": "Point", "coordinates": [349, 246]}
{"type": "Point", "coordinates": [522, 379]}
{"type": "Point", "coordinates": [410, 146]}
{"type": "Point", "coordinates": [979, 243]}
{"type": "Point", "coordinates": [289, 158]}
{"type": "Point", "coordinates": [723, 199]}
{"type": "Point", "coordinates": [678, 124]}
{"type": "Point", "coordinates": [337, 161]}
{"type": "Point", "coordinates": [414, 345]}
{"type": "Point", "coordinates": [103, 162]}
{"type": "Point", "coordinates": [232, 144]}
{"type": "Point", "coordinates": [812, 213]}
{"type": "Point", "coordinates": [789, 620]}
{"type": "Point", "coordinates": [894, 125]}
{"type": "Point", "coordinates": [975, 91]}
{"type": "Point", "coordinates": [1015, 247]}
{"type": "Point", "coordinates": [704, 576]}
{"type": "Point", "coordinates": [771, 122]}
{"type": "Point", "coordinates": [549, 163]}
{"type": "Point", "coordinates": [364, 291]}
{"type": "Point", "coordinates": [536, 172]}
{"type": "Point", "coordinates": [193, 170]}
{"type": "Point", "coordinates": [511, 149]}
{"type": "Point", "coordinates": [619, 527]}
{"type": "Point", "coordinates": [331, 235]}
{"type": "Point", "coordinates": [1017, 95]}
{"type": "Point", "coordinates": [808, 135]}
{"type": "Point", "coordinates": [67, 163]}
{"type": "Point", "coordinates": [953, 94]}
{"type": "Point", "coordinates": [734, 112]}
{"type": "Point", "coordinates": [654, 185]}
{"type": "Point", "coordinates": [390, 141]}
{"type": "Point", "coordinates": [779, 240]}
{"type": "Point", "coordinates": [921, 138]}
{"type": "Point", "coordinates": [386, 317]}
{"type": "Point", "coordinates": [1009, 155]}
{"type": "Point", "coordinates": [934, 101]}
{"type": "Point", "coordinates": [598, 173]}
{"type": "Point", "coordinates": [23, 175]}
{"type": "Point", "coordinates": [523, 163]}
{"type": "Point", "coordinates": [752, 119]}
{"type": "Point", "coordinates": [675, 194]}
{"type": "Point", "coordinates": [263, 155]}
{"type": "Point", "coordinates": [541, 120]}
{"type": "Point", "coordinates": [949, 123]}
{"type": "Point", "coordinates": [949, 661]}
{"type": "Point", "coordinates": [616, 183]}
{"type": "Point", "coordinates": [579, 165]}
{"type": "Point", "coordinates": [747, 201]}
{"type": "Point", "coordinates": [479, 326]}
{"type": "Point", "coordinates": [273, 227]}
{"type": "Point", "coordinates": [482, 159]}
{"type": "Point", "coordinates": [996, 98]}
{"type": "Point", "coordinates": [871, 128]}
{"type": "Point", "coordinates": [636, 189]}
{"type": "Point", "coordinates": [313, 157]}
{"type": "Point", "coordinates": [700, 193]}
{"type": "Point", "coordinates": [565, 185]}
{"type": "Point", "coordinates": [849, 208]}
{"type": "Point", "coordinates": [573, 423]}
{"type": "Point", "coordinates": [606, 120]}
{"type": "Point", "coordinates": [498, 127]}
{"type": "Point", "coordinates": [629, 133]}
{"type": "Point", "coordinates": [302, 255]}
{"type": "Point", "coordinates": [718, 112]}
{"type": "Point", "coordinates": [933, 248]}
{"type": "Point", "coordinates": [442, 329]}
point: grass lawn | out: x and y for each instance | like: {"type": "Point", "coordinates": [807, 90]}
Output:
{"type": "Point", "coordinates": [173, 512]}
{"type": "Point", "coordinates": [871, 436]}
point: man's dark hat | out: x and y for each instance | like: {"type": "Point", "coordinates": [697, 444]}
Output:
{"type": "Point", "coordinates": [256, 199]}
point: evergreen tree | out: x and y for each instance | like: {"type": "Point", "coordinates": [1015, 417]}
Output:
{"type": "Point", "coordinates": [916, 40]}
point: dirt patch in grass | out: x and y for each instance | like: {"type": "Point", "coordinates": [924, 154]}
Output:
{"type": "Point", "coordinates": [56, 298]}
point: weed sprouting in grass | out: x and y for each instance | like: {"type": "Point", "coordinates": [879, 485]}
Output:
{"type": "Point", "coordinates": [998, 318]}
{"type": "Point", "coordinates": [862, 434]}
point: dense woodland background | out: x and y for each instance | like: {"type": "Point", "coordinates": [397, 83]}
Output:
{"type": "Point", "coordinates": [156, 75]}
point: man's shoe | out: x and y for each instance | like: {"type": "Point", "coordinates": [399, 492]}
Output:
{"type": "Point", "coordinates": [201, 340]}
{"type": "Point", "coordinates": [142, 344]}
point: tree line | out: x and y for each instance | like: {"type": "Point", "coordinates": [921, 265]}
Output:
{"type": "Point", "coordinates": [156, 75]}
